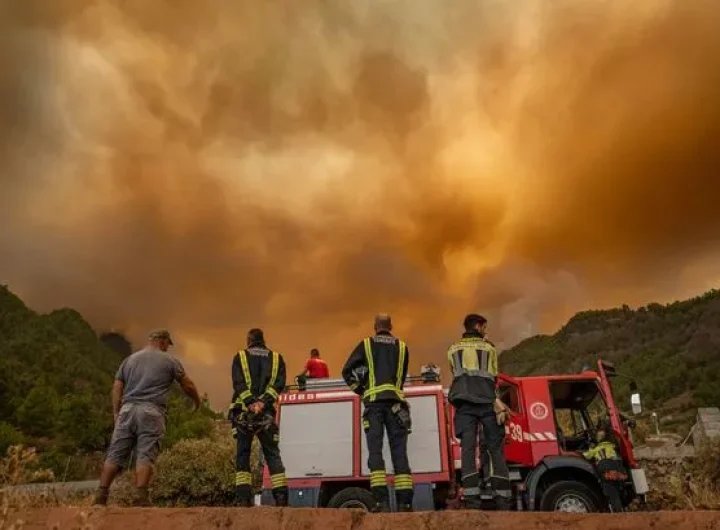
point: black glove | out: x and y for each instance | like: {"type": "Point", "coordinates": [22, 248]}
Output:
{"type": "Point", "coordinates": [357, 380]}
{"type": "Point", "coordinates": [233, 413]}
{"type": "Point", "coordinates": [251, 423]}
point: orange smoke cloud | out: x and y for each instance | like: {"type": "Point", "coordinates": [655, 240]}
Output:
{"type": "Point", "coordinates": [300, 166]}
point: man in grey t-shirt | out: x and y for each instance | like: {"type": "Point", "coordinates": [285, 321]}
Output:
{"type": "Point", "coordinates": [139, 398]}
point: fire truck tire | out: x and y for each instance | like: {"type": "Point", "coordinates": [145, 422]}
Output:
{"type": "Point", "coordinates": [570, 496]}
{"type": "Point", "coordinates": [352, 498]}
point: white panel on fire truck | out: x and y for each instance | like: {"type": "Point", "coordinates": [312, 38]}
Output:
{"type": "Point", "coordinates": [316, 439]}
{"type": "Point", "coordinates": [423, 443]}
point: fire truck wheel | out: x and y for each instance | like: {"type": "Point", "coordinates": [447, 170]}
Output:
{"type": "Point", "coordinates": [570, 496]}
{"type": "Point", "coordinates": [352, 498]}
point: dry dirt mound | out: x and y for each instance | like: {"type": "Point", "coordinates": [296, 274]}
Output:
{"type": "Point", "coordinates": [327, 519]}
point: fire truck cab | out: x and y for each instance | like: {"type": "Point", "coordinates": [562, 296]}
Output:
{"type": "Point", "coordinates": [553, 419]}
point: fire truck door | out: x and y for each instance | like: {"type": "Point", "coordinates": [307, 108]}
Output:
{"type": "Point", "coordinates": [517, 444]}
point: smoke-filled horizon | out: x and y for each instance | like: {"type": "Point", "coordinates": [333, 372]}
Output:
{"type": "Point", "coordinates": [215, 166]}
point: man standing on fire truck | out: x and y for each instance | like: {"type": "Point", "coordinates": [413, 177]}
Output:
{"type": "Point", "coordinates": [376, 370]}
{"type": "Point", "coordinates": [258, 376]}
{"type": "Point", "coordinates": [474, 366]}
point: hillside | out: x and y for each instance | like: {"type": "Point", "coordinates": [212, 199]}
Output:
{"type": "Point", "coordinates": [55, 379]}
{"type": "Point", "coordinates": [673, 351]}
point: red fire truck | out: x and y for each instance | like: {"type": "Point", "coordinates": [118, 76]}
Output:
{"type": "Point", "coordinates": [553, 419]}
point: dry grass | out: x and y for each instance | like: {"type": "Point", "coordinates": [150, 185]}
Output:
{"type": "Point", "coordinates": [702, 488]}
{"type": "Point", "coordinates": [20, 466]}
{"type": "Point", "coordinates": [7, 519]}
{"type": "Point", "coordinates": [690, 484]}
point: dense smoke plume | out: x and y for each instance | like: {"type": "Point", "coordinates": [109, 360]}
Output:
{"type": "Point", "coordinates": [212, 166]}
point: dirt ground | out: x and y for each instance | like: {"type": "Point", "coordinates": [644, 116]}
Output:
{"type": "Point", "coordinates": [327, 519]}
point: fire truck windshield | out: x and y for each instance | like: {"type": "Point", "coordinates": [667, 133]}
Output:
{"type": "Point", "coordinates": [579, 408]}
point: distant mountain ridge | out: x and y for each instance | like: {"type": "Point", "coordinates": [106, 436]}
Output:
{"type": "Point", "coordinates": [673, 350]}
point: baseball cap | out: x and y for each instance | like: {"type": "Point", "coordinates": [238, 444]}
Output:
{"type": "Point", "coordinates": [160, 334]}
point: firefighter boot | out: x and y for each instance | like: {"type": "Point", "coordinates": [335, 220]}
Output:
{"type": "Point", "coordinates": [405, 507]}
{"type": "Point", "coordinates": [473, 502]}
{"type": "Point", "coordinates": [382, 506]}
{"type": "Point", "coordinates": [502, 494]}
{"type": "Point", "coordinates": [243, 497]}
{"type": "Point", "coordinates": [382, 501]}
{"type": "Point", "coordinates": [503, 504]}
{"type": "Point", "coordinates": [281, 497]}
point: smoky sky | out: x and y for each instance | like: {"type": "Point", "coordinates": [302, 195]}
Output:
{"type": "Point", "coordinates": [300, 166]}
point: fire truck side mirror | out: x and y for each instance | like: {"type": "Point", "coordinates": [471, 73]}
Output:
{"type": "Point", "coordinates": [635, 403]}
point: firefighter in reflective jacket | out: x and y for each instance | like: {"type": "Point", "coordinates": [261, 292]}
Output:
{"type": "Point", "coordinates": [473, 362]}
{"type": "Point", "coordinates": [258, 376]}
{"type": "Point", "coordinates": [376, 370]}
{"type": "Point", "coordinates": [609, 466]}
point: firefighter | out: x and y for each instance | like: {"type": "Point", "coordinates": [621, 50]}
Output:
{"type": "Point", "coordinates": [376, 370]}
{"type": "Point", "coordinates": [609, 466]}
{"type": "Point", "coordinates": [258, 376]}
{"type": "Point", "coordinates": [474, 366]}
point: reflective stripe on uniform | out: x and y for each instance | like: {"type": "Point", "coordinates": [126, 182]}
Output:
{"type": "Point", "coordinates": [243, 478]}
{"type": "Point", "coordinates": [602, 451]}
{"type": "Point", "coordinates": [471, 492]}
{"type": "Point", "coordinates": [478, 373]}
{"type": "Point", "coordinates": [274, 371]}
{"type": "Point", "coordinates": [403, 481]}
{"type": "Point", "coordinates": [401, 364]}
{"type": "Point", "coordinates": [278, 480]}
{"type": "Point", "coordinates": [371, 393]}
{"type": "Point", "coordinates": [242, 354]}
{"type": "Point", "coordinates": [269, 390]}
{"type": "Point", "coordinates": [240, 400]}
{"type": "Point", "coordinates": [275, 360]}
{"type": "Point", "coordinates": [374, 390]}
{"type": "Point", "coordinates": [473, 357]}
{"type": "Point", "coordinates": [370, 363]}
{"type": "Point", "coordinates": [378, 478]}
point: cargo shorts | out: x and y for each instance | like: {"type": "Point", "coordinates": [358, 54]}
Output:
{"type": "Point", "coordinates": [140, 426]}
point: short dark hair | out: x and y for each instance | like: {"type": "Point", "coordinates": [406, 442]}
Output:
{"type": "Point", "coordinates": [315, 352]}
{"type": "Point", "coordinates": [256, 336]}
{"type": "Point", "coordinates": [383, 322]}
{"type": "Point", "coordinates": [472, 320]}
